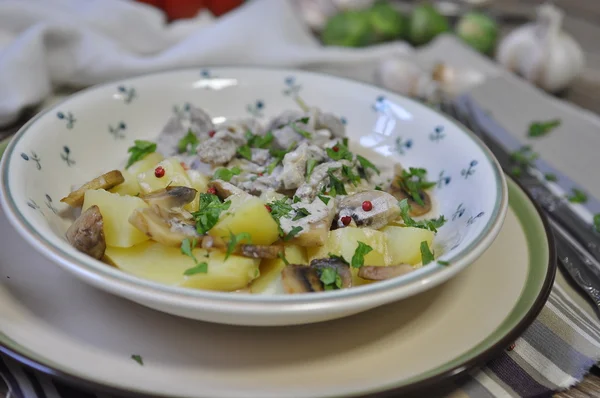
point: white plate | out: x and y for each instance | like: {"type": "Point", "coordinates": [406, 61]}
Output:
{"type": "Point", "coordinates": [62, 326]}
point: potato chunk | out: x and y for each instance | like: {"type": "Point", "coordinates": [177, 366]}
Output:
{"type": "Point", "coordinates": [248, 215]}
{"type": "Point", "coordinates": [270, 270]}
{"type": "Point", "coordinates": [131, 185]}
{"type": "Point", "coordinates": [404, 243]}
{"type": "Point", "coordinates": [115, 210]}
{"type": "Point", "coordinates": [174, 175]}
{"type": "Point", "coordinates": [166, 265]}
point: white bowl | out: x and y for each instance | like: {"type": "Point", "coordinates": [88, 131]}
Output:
{"type": "Point", "coordinates": [90, 132]}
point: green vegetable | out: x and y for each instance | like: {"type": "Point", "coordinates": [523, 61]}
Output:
{"type": "Point", "coordinates": [340, 152]}
{"type": "Point", "coordinates": [278, 154]}
{"type": "Point", "coordinates": [426, 254]}
{"type": "Point", "coordinates": [337, 186]}
{"type": "Point", "coordinates": [296, 199]}
{"type": "Point", "coordinates": [550, 177]}
{"type": "Point", "coordinates": [310, 166]}
{"type": "Point", "coordinates": [540, 129]}
{"type": "Point", "coordinates": [358, 259]}
{"type": "Point", "coordinates": [245, 152]}
{"type": "Point", "coordinates": [349, 175]}
{"type": "Point", "coordinates": [597, 222]}
{"type": "Point", "coordinates": [336, 257]}
{"type": "Point", "coordinates": [209, 211]}
{"type": "Point", "coordinates": [479, 31]}
{"type": "Point", "coordinates": [445, 263]}
{"type": "Point", "coordinates": [301, 213]}
{"type": "Point", "coordinates": [425, 24]}
{"type": "Point", "coordinates": [257, 141]}
{"type": "Point", "coordinates": [295, 231]}
{"type": "Point", "coordinates": [186, 249]}
{"type": "Point", "coordinates": [348, 29]}
{"type": "Point", "coordinates": [330, 278]}
{"type": "Point", "coordinates": [235, 240]}
{"type": "Point", "coordinates": [138, 359]}
{"type": "Point", "coordinates": [324, 199]}
{"type": "Point", "coordinates": [432, 224]}
{"type": "Point", "coordinates": [139, 150]}
{"type": "Point", "coordinates": [280, 208]}
{"type": "Point", "coordinates": [226, 174]}
{"type": "Point", "coordinates": [188, 143]}
{"type": "Point", "coordinates": [387, 23]}
{"type": "Point", "coordinates": [281, 255]}
{"type": "Point", "coordinates": [577, 196]}
{"type": "Point", "coordinates": [365, 164]}
{"type": "Point", "coordinates": [413, 183]}
{"type": "Point", "coordinates": [523, 159]}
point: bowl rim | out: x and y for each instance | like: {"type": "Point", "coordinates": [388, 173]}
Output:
{"type": "Point", "coordinates": [121, 283]}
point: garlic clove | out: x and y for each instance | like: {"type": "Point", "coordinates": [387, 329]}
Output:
{"type": "Point", "coordinates": [407, 78]}
{"type": "Point", "coordinates": [454, 81]}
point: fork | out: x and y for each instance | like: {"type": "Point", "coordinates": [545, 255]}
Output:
{"type": "Point", "coordinates": [583, 268]}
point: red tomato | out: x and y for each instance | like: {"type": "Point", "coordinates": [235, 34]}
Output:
{"type": "Point", "coordinates": [155, 3]}
{"type": "Point", "coordinates": [177, 9]}
{"type": "Point", "coordinates": [220, 7]}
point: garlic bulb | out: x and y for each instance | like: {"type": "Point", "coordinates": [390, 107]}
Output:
{"type": "Point", "coordinates": [542, 53]}
{"type": "Point", "coordinates": [406, 78]}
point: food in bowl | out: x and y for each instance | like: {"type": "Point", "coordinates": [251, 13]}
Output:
{"type": "Point", "coordinates": [238, 205]}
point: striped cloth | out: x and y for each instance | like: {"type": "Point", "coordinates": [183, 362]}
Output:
{"type": "Point", "coordinates": [555, 353]}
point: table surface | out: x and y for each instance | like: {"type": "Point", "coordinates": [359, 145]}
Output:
{"type": "Point", "coordinates": [581, 21]}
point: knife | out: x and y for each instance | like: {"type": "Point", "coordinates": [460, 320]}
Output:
{"type": "Point", "coordinates": [556, 208]}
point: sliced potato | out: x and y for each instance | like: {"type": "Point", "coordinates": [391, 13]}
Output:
{"type": "Point", "coordinates": [151, 260]}
{"type": "Point", "coordinates": [174, 175]}
{"type": "Point", "coordinates": [200, 183]}
{"type": "Point", "coordinates": [251, 216]}
{"type": "Point", "coordinates": [404, 244]}
{"type": "Point", "coordinates": [130, 187]}
{"type": "Point", "coordinates": [116, 210]}
{"type": "Point", "coordinates": [271, 269]}
{"type": "Point", "coordinates": [105, 181]}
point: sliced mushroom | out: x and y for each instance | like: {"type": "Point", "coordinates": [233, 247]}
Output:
{"type": "Point", "coordinates": [416, 209]}
{"type": "Point", "coordinates": [342, 269]}
{"type": "Point", "coordinates": [105, 181]}
{"type": "Point", "coordinates": [225, 189]}
{"type": "Point", "coordinates": [260, 251]}
{"type": "Point", "coordinates": [168, 228]}
{"type": "Point", "coordinates": [301, 279]}
{"type": "Point", "coordinates": [375, 273]}
{"type": "Point", "coordinates": [86, 234]}
{"type": "Point", "coordinates": [384, 209]}
{"type": "Point", "coordinates": [170, 197]}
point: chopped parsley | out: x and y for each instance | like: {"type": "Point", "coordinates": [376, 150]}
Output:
{"type": "Point", "coordinates": [281, 255]}
{"type": "Point", "coordinates": [365, 164]}
{"type": "Point", "coordinates": [189, 143]}
{"type": "Point", "coordinates": [378, 188]}
{"type": "Point", "coordinates": [278, 155]}
{"type": "Point", "coordinates": [301, 213]}
{"type": "Point", "coordinates": [186, 249]}
{"type": "Point", "coordinates": [330, 278]}
{"type": "Point", "coordinates": [577, 196]}
{"type": "Point", "coordinates": [432, 224]}
{"type": "Point", "coordinates": [300, 131]}
{"type": "Point", "coordinates": [426, 254]}
{"type": "Point", "coordinates": [139, 150]}
{"type": "Point", "coordinates": [551, 177]}
{"type": "Point", "coordinates": [310, 166]}
{"type": "Point", "coordinates": [522, 159]}
{"type": "Point", "coordinates": [540, 129]}
{"type": "Point", "coordinates": [138, 359]}
{"type": "Point", "coordinates": [295, 231]}
{"type": "Point", "coordinates": [245, 152]}
{"type": "Point", "coordinates": [358, 259]}
{"type": "Point", "coordinates": [413, 182]}
{"type": "Point", "coordinates": [337, 186]}
{"type": "Point", "coordinates": [208, 212]}
{"type": "Point", "coordinates": [324, 199]}
{"type": "Point", "coordinates": [597, 222]}
{"type": "Point", "coordinates": [296, 199]}
{"type": "Point", "coordinates": [280, 208]}
{"type": "Point", "coordinates": [258, 141]}
{"type": "Point", "coordinates": [444, 263]}
{"type": "Point", "coordinates": [226, 174]}
{"type": "Point", "coordinates": [336, 257]}
{"type": "Point", "coordinates": [349, 175]}
{"type": "Point", "coordinates": [342, 152]}
{"type": "Point", "coordinates": [235, 240]}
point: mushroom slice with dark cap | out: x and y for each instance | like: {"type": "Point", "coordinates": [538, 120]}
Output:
{"type": "Point", "coordinates": [170, 197]}
{"type": "Point", "coordinates": [342, 269]}
{"type": "Point", "coordinates": [163, 226]}
{"type": "Point", "coordinates": [384, 209]}
{"type": "Point", "coordinates": [86, 234]}
{"type": "Point", "coordinates": [416, 209]}
{"type": "Point", "coordinates": [260, 251]}
{"type": "Point", "coordinates": [301, 279]}
{"type": "Point", "coordinates": [105, 181]}
{"type": "Point", "coordinates": [226, 189]}
{"type": "Point", "coordinates": [376, 273]}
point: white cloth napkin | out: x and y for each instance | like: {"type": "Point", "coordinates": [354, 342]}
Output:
{"type": "Point", "coordinates": [49, 43]}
